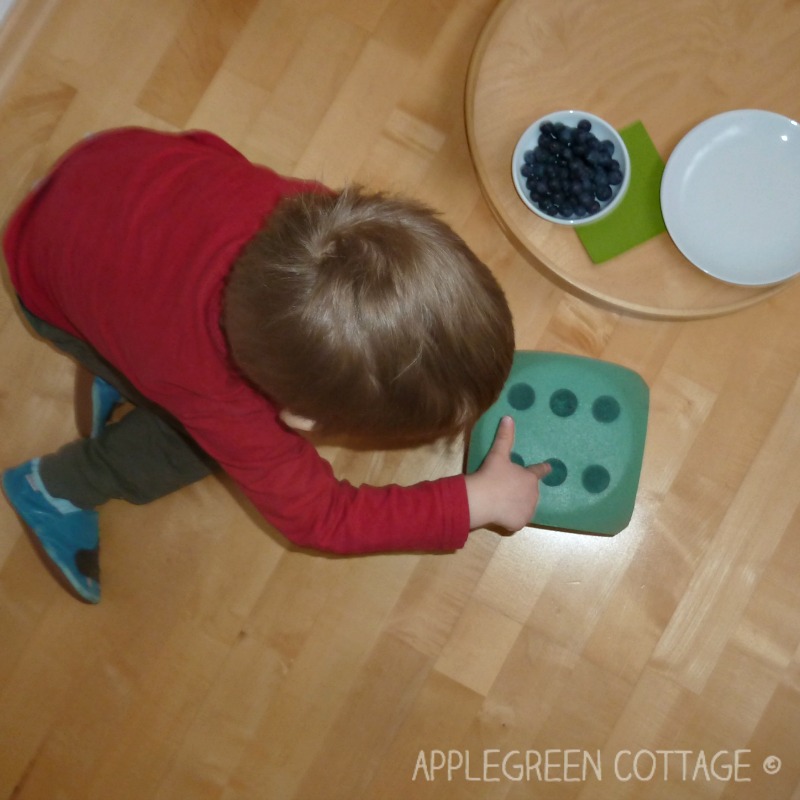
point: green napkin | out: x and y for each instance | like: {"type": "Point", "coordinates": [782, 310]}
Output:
{"type": "Point", "coordinates": [638, 217]}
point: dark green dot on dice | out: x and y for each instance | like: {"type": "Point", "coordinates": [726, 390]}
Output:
{"type": "Point", "coordinates": [563, 403]}
{"type": "Point", "coordinates": [521, 396]}
{"type": "Point", "coordinates": [595, 479]}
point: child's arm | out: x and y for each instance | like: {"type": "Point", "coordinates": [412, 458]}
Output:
{"type": "Point", "coordinates": [295, 489]}
{"type": "Point", "coordinates": [502, 492]}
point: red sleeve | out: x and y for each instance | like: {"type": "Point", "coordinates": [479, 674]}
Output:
{"type": "Point", "coordinates": [295, 490]}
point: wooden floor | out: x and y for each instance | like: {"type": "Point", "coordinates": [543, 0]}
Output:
{"type": "Point", "coordinates": [221, 664]}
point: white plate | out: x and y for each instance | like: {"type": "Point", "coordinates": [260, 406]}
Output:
{"type": "Point", "coordinates": [730, 196]}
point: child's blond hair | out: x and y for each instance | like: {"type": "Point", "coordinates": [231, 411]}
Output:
{"type": "Point", "coordinates": [369, 315]}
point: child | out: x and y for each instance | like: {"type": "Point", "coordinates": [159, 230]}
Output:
{"type": "Point", "coordinates": [231, 305]}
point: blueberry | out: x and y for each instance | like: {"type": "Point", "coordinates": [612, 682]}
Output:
{"type": "Point", "coordinates": [608, 146]}
{"type": "Point", "coordinates": [603, 193]}
{"type": "Point", "coordinates": [615, 177]}
{"type": "Point", "coordinates": [529, 157]}
{"type": "Point", "coordinates": [584, 125]}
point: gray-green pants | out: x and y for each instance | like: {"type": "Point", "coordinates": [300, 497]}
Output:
{"type": "Point", "coordinates": [145, 455]}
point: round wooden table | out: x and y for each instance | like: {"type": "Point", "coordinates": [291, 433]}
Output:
{"type": "Point", "coordinates": [667, 63]}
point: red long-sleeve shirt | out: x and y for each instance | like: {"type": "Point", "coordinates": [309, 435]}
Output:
{"type": "Point", "coordinates": [127, 245]}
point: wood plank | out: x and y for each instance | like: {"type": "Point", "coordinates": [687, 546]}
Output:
{"type": "Point", "coordinates": [187, 68]}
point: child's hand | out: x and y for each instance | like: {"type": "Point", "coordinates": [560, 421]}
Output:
{"type": "Point", "coordinates": [502, 492]}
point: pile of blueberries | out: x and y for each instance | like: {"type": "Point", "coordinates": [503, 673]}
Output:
{"type": "Point", "coordinates": [570, 173]}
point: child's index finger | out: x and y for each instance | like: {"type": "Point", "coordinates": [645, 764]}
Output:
{"type": "Point", "coordinates": [504, 438]}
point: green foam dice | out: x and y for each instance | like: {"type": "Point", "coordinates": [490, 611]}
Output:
{"type": "Point", "coordinates": [588, 419]}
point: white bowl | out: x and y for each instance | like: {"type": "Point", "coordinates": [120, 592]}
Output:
{"type": "Point", "coordinates": [603, 131]}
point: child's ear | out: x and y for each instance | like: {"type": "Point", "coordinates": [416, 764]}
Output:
{"type": "Point", "coordinates": [295, 421]}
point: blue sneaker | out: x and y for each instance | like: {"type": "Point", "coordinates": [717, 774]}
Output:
{"type": "Point", "coordinates": [69, 536]}
{"type": "Point", "coordinates": [105, 398]}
